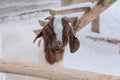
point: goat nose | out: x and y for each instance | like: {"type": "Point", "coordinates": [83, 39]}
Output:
{"type": "Point", "coordinates": [58, 44]}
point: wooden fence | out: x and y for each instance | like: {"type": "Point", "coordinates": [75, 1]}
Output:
{"type": "Point", "coordinates": [50, 72]}
{"type": "Point", "coordinates": [90, 15]}
{"type": "Point", "coordinates": [60, 73]}
{"type": "Point", "coordinates": [93, 15]}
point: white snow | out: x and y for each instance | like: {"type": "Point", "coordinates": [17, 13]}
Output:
{"type": "Point", "coordinates": [94, 56]}
{"type": "Point", "coordinates": [88, 4]}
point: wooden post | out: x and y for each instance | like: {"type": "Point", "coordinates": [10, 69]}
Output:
{"type": "Point", "coordinates": [50, 72]}
{"type": "Point", "coordinates": [91, 15]}
{"type": "Point", "coordinates": [96, 25]}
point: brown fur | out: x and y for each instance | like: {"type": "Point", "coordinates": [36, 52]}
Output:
{"type": "Point", "coordinates": [51, 54]}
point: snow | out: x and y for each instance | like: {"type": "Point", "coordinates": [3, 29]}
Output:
{"type": "Point", "coordinates": [94, 56]}
{"type": "Point", "coordinates": [88, 4]}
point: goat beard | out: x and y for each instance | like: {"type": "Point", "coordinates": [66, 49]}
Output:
{"type": "Point", "coordinates": [53, 56]}
{"type": "Point", "coordinates": [59, 55]}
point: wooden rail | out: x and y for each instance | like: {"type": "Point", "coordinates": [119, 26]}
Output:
{"type": "Point", "coordinates": [92, 14]}
{"type": "Point", "coordinates": [95, 23]}
{"type": "Point", "coordinates": [113, 41]}
{"type": "Point", "coordinates": [60, 73]}
{"type": "Point", "coordinates": [50, 72]}
{"type": "Point", "coordinates": [68, 11]}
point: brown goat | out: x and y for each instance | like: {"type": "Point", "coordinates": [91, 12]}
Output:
{"type": "Point", "coordinates": [56, 35]}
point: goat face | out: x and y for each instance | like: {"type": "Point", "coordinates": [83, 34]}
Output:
{"type": "Point", "coordinates": [56, 35]}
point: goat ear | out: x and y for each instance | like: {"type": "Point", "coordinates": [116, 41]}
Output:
{"type": "Point", "coordinates": [73, 43]}
{"type": "Point", "coordinates": [39, 35]}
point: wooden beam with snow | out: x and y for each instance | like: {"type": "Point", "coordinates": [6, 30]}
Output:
{"type": "Point", "coordinates": [50, 72]}
{"type": "Point", "coordinates": [69, 2]}
{"type": "Point", "coordinates": [91, 15]}
{"type": "Point", "coordinates": [113, 41]}
{"type": "Point", "coordinates": [66, 11]}
{"type": "Point", "coordinates": [96, 25]}
{"type": "Point", "coordinates": [69, 11]}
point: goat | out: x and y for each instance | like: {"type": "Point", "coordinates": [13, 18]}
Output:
{"type": "Point", "coordinates": [56, 34]}
{"type": "Point", "coordinates": [17, 44]}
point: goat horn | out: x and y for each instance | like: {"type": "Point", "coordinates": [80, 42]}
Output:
{"type": "Point", "coordinates": [49, 18]}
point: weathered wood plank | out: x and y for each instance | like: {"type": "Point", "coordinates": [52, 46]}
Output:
{"type": "Point", "coordinates": [69, 2]}
{"type": "Point", "coordinates": [69, 11]}
{"type": "Point", "coordinates": [91, 15]}
{"type": "Point", "coordinates": [106, 1]}
{"type": "Point", "coordinates": [113, 41]}
{"type": "Point", "coordinates": [66, 11]}
{"type": "Point", "coordinates": [50, 72]}
{"type": "Point", "coordinates": [96, 25]}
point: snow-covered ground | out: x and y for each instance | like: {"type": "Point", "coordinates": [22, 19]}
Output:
{"type": "Point", "coordinates": [94, 56]}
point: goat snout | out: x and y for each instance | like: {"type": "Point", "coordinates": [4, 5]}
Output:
{"type": "Point", "coordinates": [58, 45]}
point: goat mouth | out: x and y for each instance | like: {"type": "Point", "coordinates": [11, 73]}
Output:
{"type": "Point", "coordinates": [57, 50]}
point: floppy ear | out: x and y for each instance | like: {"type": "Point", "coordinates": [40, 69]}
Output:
{"type": "Point", "coordinates": [39, 35]}
{"type": "Point", "coordinates": [73, 42]}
